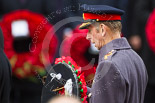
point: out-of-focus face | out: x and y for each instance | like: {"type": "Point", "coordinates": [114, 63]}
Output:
{"type": "Point", "coordinates": [95, 36]}
{"type": "Point", "coordinates": [64, 99]}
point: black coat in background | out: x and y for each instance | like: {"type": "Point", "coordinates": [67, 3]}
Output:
{"type": "Point", "coordinates": [5, 74]}
{"type": "Point", "coordinates": [143, 9]}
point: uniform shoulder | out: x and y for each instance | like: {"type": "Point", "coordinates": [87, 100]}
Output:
{"type": "Point", "coordinates": [108, 70]}
{"type": "Point", "coordinates": [108, 63]}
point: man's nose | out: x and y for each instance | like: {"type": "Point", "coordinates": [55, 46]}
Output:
{"type": "Point", "coordinates": [88, 36]}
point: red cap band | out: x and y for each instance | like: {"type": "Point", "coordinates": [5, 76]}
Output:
{"type": "Point", "coordinates": [101, 17]}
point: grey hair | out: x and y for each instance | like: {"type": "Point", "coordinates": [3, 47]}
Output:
{"type": "Point", "coordinates": [113, 25]}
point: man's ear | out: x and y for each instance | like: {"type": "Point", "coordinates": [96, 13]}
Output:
{"type": "Point", "coordinates": [103, 29]}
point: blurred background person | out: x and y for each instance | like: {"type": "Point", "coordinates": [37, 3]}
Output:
{"type": "Point", "coordinates": [132, 25]}
{"type": "Point", "coordinates": [5, 74]}
{"type": "Point", "coordinates": [140, 11]}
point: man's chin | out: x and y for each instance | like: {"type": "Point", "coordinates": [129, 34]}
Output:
{"type": "Point", "coordinates": [97, 47]}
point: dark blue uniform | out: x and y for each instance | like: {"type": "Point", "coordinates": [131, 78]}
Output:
{"type": "Point", "coordinates": [121, 75]}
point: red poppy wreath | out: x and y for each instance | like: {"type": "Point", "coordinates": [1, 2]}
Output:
{"type": "Point", "coordinates": [77, 47]}
{"type": "Point", "coordinates": [26, 53]}
{"type": "Point", "coordinates": [79, 75]}
{"type": "Point", "coordinates": [150, 31]}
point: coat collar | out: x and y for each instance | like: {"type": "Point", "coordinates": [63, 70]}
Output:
{"type": "Point", "coordinates": [115, 44]}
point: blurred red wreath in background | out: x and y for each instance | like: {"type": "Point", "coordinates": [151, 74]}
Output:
{"type": "Point", "coordinates": [26, 64]}
{"type": "Point", "coordinates": [77, 47]}
{"type": "Point", "coordinates": [150, 31]}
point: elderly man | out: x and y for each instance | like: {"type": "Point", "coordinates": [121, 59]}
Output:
{"type": "Point", "coordinates": [121, 75]}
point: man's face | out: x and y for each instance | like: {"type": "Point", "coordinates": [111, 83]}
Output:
{"type": "Point", "coordinates": [94, 35]}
